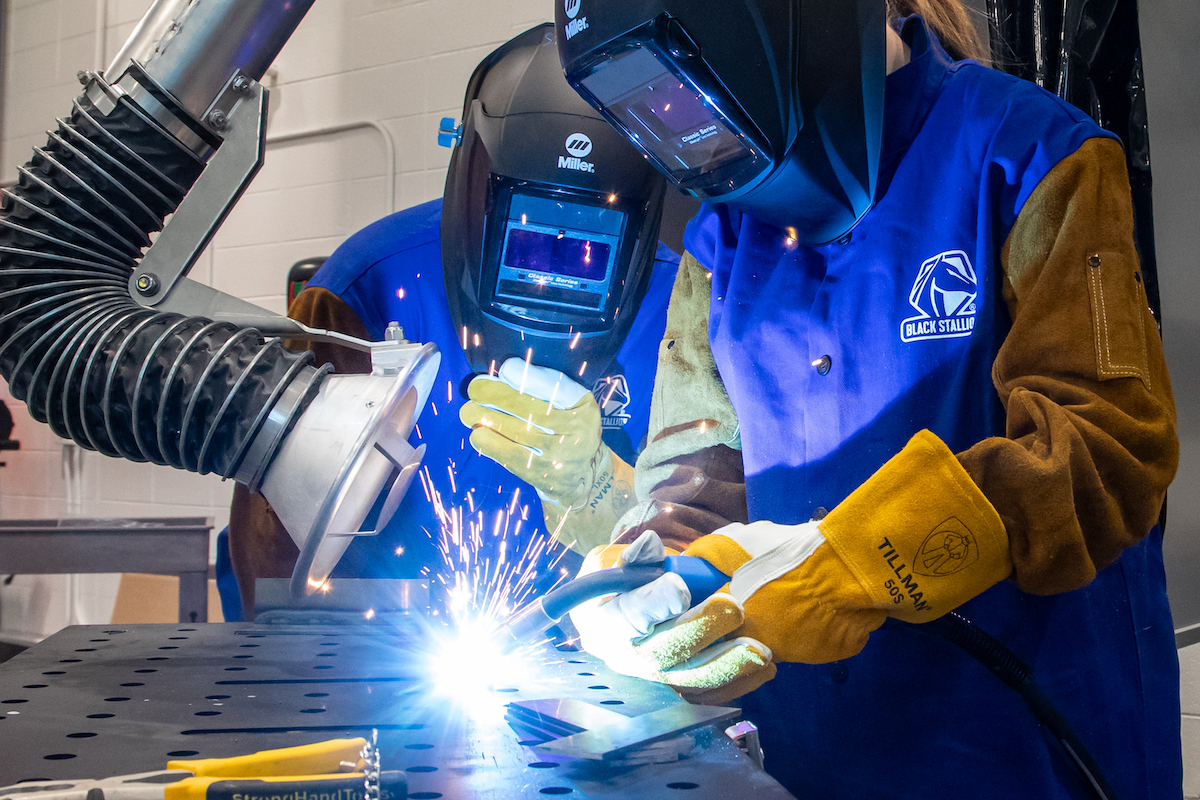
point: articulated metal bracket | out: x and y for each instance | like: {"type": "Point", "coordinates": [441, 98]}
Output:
{"type": "Point", "coordinates": [201, 213]}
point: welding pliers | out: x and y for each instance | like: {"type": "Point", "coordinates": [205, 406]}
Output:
{"type": "Point", "coordinates": [331, 770]}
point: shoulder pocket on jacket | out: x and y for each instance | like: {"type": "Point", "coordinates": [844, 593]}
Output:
{"type": "Point", "coordinates": [1119, 317]}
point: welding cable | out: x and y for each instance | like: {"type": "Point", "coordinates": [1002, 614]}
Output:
{"type": "Point", "coordinates": [100, 369]}
{"type": "Point", "coordinates": [527, 625]}
{"type": "Point", "coordinates": [1009, 668]}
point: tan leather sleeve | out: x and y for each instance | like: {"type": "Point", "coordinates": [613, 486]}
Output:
{"type": "Point", "coordinates": [1090, 445]}
{"type": "Point", "coordinates": [691, 468]}
{"type": "Point", "coordinates": [259, 545]}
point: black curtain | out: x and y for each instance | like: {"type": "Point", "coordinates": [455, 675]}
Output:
{"type": "Point", "coordinates": [1089, 53]}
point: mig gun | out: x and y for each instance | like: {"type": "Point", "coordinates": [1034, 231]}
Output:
{"type": "Point", "coordinates": [528, 624]}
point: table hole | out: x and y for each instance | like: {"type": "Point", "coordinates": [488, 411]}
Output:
{"type": "Point", "coordinates": [169, 647]}
{"type": "Point", "coordinates": [59, 756]}
{"type": "Point", "coordinates": [555, 790]}
{"type": "Point", "coordinates": [424, 795]}
{"type": "Point", "coordinates": [99, 640]}
{"type": "Point", "coordinates": [244, 655]}
{"type": "Point", "coordinates": [115, 631]}
{"type": "Point", "coordinates": [312, 711]}
{"type": "Point", "coordinates": [421, 769]}
{"type": "Point", "coordinates": [35, 686]}
{"type": "Point", "coordinates": [207, 713]}
{"type": "Point", "coordinates": [256, 636]}
{"type": "Point", "coordinates": [81, 735]}
{"type": "Point", "coordinates": [177, 638]}
{"type": "Point", "coordinates": [235, 669]}
{"type": "Point", "coordinates": [145, 670]}
{"type": "Point", "coordinates": [543, 765]}
{"type": "Point", "coordinates": [85, 650]}
{"type": "Point", "coordinates": [612, 702]}
{"type": "Point", "coordinates": [14, 701]}
{"type": "Point", "coordinates": [683, 785]}
{"type": "Point", "coordinates": [326, 655]}
{"type": "Point", "coordinates": [249, 645]}
{"type": "Point", "coordinates": [158, 658]}
{"type": "Point", "coordinates": [330, 644]}
{"type": "Point", "coordinates": [55, 672]}
{"type": "Point", "coordinates": [132, 683]}
{"type": "Point", "coordinates": [218, 696]}
{"type": "Point", "coordinates": [317, 694]}
{"type": "Point", "coordinates": [115, 699]}
{"type": "Point", "coordinates": [186, 630]}
{"type": "Point", "coordinates": [183, 753]}
{"type": "Point", "coordinates": [70, 660]}
{"type": "Point", "coordinates": [508, 689]}
{"type": "Point", "coordinates": [418, 746]}
{"type": "Point", "coordinates": [100, 716]}
{"type": "Point", "coordinates": [586, 674]}
{"type": "Point", "coordinates": [598, 687]}
{"type": "Point", "coordinates": [323, 666]}
{"type": "Point", "coordinates": [576, 661]}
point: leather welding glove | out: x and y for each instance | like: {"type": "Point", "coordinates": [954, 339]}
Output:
{"type": "Point", "coordinates": [915, 541]}
{"type": "Point", "coordinates": [545, 428]}
{"type": "Point", "coordinates": [650, 633]}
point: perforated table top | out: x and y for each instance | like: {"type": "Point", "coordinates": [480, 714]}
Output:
{"type": "Point", "coordinates": [96, 701]}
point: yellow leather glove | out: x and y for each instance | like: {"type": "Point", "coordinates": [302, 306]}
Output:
{"type": "Point", "coordinates": [650, 633]}
{"type": "Point", "coordinates": [916, 540]}
{"type": "Point", "coordinates": [545, 428]}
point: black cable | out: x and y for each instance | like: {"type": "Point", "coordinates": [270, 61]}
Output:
{"type": "Point", "coordinates": [1009, 668]}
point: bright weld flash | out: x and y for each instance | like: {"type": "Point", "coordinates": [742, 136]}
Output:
{"type": "Point", "coordinates": [467, 664]}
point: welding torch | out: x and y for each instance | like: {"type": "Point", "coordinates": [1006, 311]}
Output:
{"type": "Point", "coordinates": [528, 624]}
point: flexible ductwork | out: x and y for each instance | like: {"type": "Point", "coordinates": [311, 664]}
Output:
{"type": "Point", "coordinates": [86, 358]}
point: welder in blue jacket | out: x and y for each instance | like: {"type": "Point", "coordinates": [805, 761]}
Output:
{"type": "Point", "coordinates": [543, 252]}
{"type": "Point", "coordinates": [909, 369]}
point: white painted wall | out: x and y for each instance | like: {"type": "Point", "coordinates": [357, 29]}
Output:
{"type": "Point", "coordinates": [400, 63]}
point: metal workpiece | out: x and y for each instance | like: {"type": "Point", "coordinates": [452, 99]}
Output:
{"type": "Point", "coordinates": [194, 49]}
{"type": "Point", "coordinates": [102, 700]}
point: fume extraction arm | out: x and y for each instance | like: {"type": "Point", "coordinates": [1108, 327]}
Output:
{"type": "Point", "coordinates": [106, 339]}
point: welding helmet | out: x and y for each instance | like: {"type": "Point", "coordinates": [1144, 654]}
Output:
{"type": "Point", "coordinates": [773, 107]}
{"type": "Point", "coordinates": [549, 219]}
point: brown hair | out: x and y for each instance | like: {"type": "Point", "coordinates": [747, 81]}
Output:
{"type": "Point", "coordinates": [950, 20]}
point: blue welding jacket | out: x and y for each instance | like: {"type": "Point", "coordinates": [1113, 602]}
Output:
{"type": "Point", "coordinates": [912, 716]}
{"type": "Point", "coordinates": [392, 271]}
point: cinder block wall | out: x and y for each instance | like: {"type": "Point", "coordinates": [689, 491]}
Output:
{"type": "Point", "coordinates": [391, 67]}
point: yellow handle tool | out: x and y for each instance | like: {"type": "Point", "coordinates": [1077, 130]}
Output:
{"type": "Point", "coordinates": [321, 758]}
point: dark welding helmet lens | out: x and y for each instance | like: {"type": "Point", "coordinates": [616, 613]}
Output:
{"type": "Point", "coordinates": [664, 112]}
{"type": "Point", "coordinates": [555, 258]}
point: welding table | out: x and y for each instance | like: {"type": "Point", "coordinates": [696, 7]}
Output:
{"type": "Point", "coordinates": [162, 546]}
{"type": "Point", "coordinates": [99, 700]}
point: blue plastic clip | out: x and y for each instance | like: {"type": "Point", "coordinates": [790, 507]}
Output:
{"type": "Point", "coordinates": [449, 134]}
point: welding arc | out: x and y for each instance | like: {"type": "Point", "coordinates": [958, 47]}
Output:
{"type": "Point", "coordinates": [102, 370]}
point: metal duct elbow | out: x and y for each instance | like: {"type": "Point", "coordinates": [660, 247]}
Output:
{"type": "Point", "coordinates": [113, 376]}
